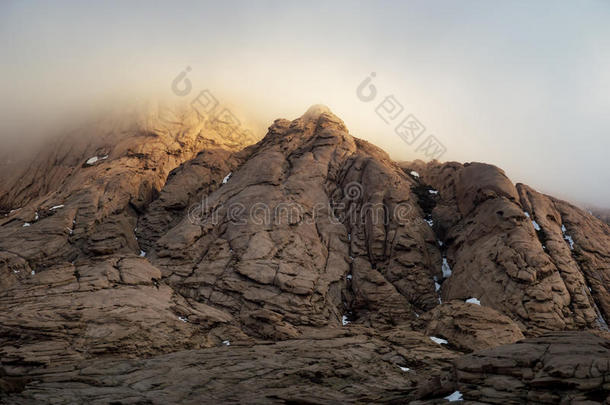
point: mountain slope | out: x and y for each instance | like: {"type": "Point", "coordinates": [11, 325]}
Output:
{"type": "Point", "coordinates": [306, 267]}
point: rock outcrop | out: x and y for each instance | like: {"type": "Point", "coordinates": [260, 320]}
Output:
{"type": "Point", "coordinates": [556, 368]}
{"type": "Point", "coordinates": [161, 261]}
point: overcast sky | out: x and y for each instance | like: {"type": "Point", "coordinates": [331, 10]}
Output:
{"type": "Point", "coordinates": [524, 85]}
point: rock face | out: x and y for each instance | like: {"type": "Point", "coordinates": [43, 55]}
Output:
{"type": "Point", "coordinates": [470, 326]}
{"type": "Point", "coordinates": [557, 368]}
{"type": "Point", "coordinates": [513, 249]}
{"type": "Point", "coordinates": [161, 261]}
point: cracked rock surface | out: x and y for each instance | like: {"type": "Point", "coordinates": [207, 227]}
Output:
{"type": "Point", "coordinates": [183, 266]}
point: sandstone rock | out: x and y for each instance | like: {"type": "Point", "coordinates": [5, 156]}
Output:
{"type": "Point", "coordinates": [498, 255]}
{"type": "Point", "coordinates": [560, 367]}
{"type": "Point", "coordinates": [182, 265]}
{"type": "Point", "coordinates": [469, 326]}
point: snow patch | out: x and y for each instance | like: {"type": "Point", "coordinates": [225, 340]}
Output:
{"type": "Point", "coordinates": [456, 396]}
{"type": "Point", "coordinates": [440, 242]}
{"type": "Point", "coordinates": [404, 368]}
{"type": "Point", "coordinates": [33, 273]}
{"type": "Point", "coordinates": [94, 159]}
{"type": "Point", "coordinates": [226, 343]}
{"type": "Point", "coordinates": [536, 226]}
{"type": "Point", "coordinates": [414, 173]}
{"type": "Point", "coordinates": [438, 340]}
{"type": "Point", "coordinates": [567, 237]}
{"type": "Point", "coordinates": [526, 214]}
{"type": "Point", "coordinates": [349, 276]}
{"type": "Point", "coordinates": [437, 286]}
{"type": "Point", "coordinates": [446, 268]}
{"type": "Point", "coordinates": [183, 319]}
{"type": "Point", "coordinates": [227, 177]}
{"type": "Point", "coordinates": [473, 301]}
{"type": "Point", "coordinates": [26, 224]}
{"type": "Point", "coordinates": [142, 253]}
{"type": "Point", "coordinates": [56, 207]}
{"type": "Point", "coordinates": [344, 320]}
{"type": "Point", "coordinates": [433, 191]}
{"type": "Point", "coordinates": [429, 222]}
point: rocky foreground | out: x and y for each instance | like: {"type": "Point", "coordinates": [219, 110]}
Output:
{"type": "Point", "coordinates": [173, 261]}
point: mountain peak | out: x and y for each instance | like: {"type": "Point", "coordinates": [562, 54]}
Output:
{"type": "Point", "coordinates": [179, 246]}
{"type": "Point", "coordinates": [315, 111]}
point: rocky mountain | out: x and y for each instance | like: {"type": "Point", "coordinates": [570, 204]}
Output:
{"type": "Point", "coordinates": [175, 260]}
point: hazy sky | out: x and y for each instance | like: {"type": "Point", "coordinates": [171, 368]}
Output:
{"type": "Point", "coordinates": [524, 85]}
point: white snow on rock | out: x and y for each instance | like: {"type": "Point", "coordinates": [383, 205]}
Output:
{"type": "Point", "coordinates": [183, 319]}
{"type": "Point", "coordinates": [26, 224]}
{"type": "Point", "coordinates": [36, 216]}
{"type": "Point", "coordinates": [227, 177]}
{"type": "Point", "coordinates": [414, 173]}
{"type": "Point", "coordinates": [438, 340]}
{"type": "Point", "coordinates": [437, 286]}
{"type": "Point", "coordinates": [440, 242]}
{"type": "Point", "coordinates": [446, 268]}
{"type": "Point", "coordinates": [344, 320]}
{"type": "Point", "coordinates": [226, 343]}
{"type": "Point", "coordinates": [433, 191]}
{"type": "Point", "coordinates": [430, 222]}
{"type": "Point", "coordinates": [33, 273]}
{"type": "Point", "coordinates": [456, 396]}
{"type": "Point", "coordinates": [94, 159]}
{"type": "Point", "coordinates": [473, 301]}
{"type": "Point", "coordinates": [56, 207]}
{"type": "Point", "coordinates": [567, 237]}
{"type": "Point", "coordinates": [142, 253]}
{"type": "Point", "coordinates": [536, 226]}
{"type": "Point", "coordinates": [349, 277]}
{"type": "Point", "coordinates": [404, 368]}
